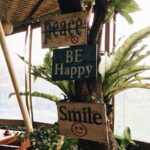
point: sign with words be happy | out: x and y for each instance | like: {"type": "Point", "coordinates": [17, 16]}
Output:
{"type": "Point", "coordinates": [74, 63]}
{"type": "Point", "coordinates": [83, 120]}
{"type": "Point", "coordinates": [64, 30]}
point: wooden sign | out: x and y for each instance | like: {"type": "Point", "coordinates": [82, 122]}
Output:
{"type": "Point", "coordinates": [74, 63]}
{"type": "Point", "coordinates": [83, 120]}
{"type": "Point", "coordinates": [64, 30]}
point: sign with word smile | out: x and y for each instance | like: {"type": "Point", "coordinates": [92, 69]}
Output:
{"type": "Point", "coordinates": [64, 30]}
{"type": "Point", "coordinates": [83, 120]}
{"type": "Point", "coordinates": [74, 63]}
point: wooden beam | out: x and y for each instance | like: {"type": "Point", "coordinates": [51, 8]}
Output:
{"type": "Point", "coordinates": [68, 6]}
{"type": "Point", "coordinates": [35, 23]}
{"type": "Point", "coordinates": [107, 37]}
{"type": "Point", "coordinates": [9, 147]}
{"type": "Point", "coordinates": [8, 139]}
{"type": "Point", "coordinates": [37, 5]}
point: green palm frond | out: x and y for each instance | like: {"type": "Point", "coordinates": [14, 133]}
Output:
{"type": "Point", "coordinates": [125, 50]}
{"type": "Point", "coordinates": [44, 71]}
{"type": "Point", "coordinates": [123, 7]}
{"type": "Point", "coordinates": [125, 69]}
{"type": "Point", "coordinates": [38, 94]}
{"type": "Point", "coordinates": [111, 80]}
{"type": "Point", "coordinates": [121, 88]}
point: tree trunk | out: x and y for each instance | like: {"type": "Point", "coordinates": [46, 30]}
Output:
{"type": "Point", "coordinates": [89, 90]}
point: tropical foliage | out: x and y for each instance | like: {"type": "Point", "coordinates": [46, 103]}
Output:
{"type": "Point", "coordinates": [123, 7]}
{"type": "Point", "coordinates": [44, 71]}
{"type": "Point", "coordinates": [111, 84]}
{"type": "Point", "coordinates": [125, 70]}
{"type": "Point", "coordinates": [44, 138]}
{"type": "Point", "coordinates": [125, 140]}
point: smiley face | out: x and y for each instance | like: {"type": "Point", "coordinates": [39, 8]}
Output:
{"type": "Point", "coordinates": [79, 129]}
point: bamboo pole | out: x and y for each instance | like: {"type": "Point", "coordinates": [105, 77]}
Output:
{"type": "Point", "coordinates": [26, 83]}
{"type": "Point", "coordinates": [28, 53]}
{"type": "Point", "coordinates": [29, 70]}
{"type": "Point", "coordinates": [23, 107]}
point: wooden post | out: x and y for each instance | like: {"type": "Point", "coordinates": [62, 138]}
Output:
{"type": "Point", "coordinates": [29, 70]}
{"type": "Point", "coordinates": [23, 107]}
{"type": "Point", "coordinates": [28, 55]}
{"type": "Point", "coordinates": [107, 37]}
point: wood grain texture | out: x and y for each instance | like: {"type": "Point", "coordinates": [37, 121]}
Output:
{"type": "Point", "coordinates": [80, 121]}
{"type": "Point", "coordinates": [67, 24]}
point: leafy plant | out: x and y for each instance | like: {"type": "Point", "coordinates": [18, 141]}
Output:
{"type": "Point", "coordinates": [12, 127]}
{"type": "Point", "coordinates": [123, 7]}
{"type": "Point", "coordinates": [44, 138]}
{"type": "Point", "coordinates": [125, 70]}
{"type": "Point", "coordinates": [122, 72]}
{"type": "Point", "coordinates": [70, 143]}
{"type": "Point", "coordinates": [44, 71]}
{"type": "Point", "coordinates": [125, 139]}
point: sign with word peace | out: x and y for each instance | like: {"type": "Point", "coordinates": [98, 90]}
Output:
{"type": "Point", "coordinates": [83, 120]}
{"type": "Point", "coordinates": [74, 63]}
{"type": "Point", "coordinates": [64, 30]}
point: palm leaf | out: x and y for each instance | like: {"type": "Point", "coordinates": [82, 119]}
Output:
{"type": "Point", "coordinates": [124, 7]}
{"type": "Point", "coordinates": [131, 7]}
{"type": "Point", "coordinates": [121, 88]}
{"type": "Point", "coordinates": [125, 69]}
{"type": "Point", "coordinates": [44, 71]}
{"type": "Point", "coordinates": [136, 52]}
{"type": "Point", "coordinates": [38, 94]}
{"type": "Point", "coordinates": [124, 14]}
{"type": "Point", "coordinates": [137, 60]}
{"type": "Point", "coordinates": [138, 78]}
{"type": "Point", "coordinates": [125, 50]}
{"type": "Point", "coordinates": [113, 78]}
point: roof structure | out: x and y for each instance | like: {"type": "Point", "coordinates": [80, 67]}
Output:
{"type": "Point", "coordinates": [24, 12]}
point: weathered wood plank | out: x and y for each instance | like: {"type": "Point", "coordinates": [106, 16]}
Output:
{"type": "Point", "coordinates": [21, 123]}
{"type": "Point", "coordinates": [83, 120]}
{"type": "Point", "coordinates": [64, 30]}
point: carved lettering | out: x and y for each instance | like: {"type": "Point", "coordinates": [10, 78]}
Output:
{"type": "Point", "coordinates": [65, 27]}
{"type": "Point", "coordinates": [85, 115]}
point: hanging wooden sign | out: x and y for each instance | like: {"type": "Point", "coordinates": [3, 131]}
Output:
{"type": "Point", "coordinates": [83, 120]}
{"type": "Point", "coordinates": [74, 63]}
{"type": "Point", "coordinates": [64, 30]}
